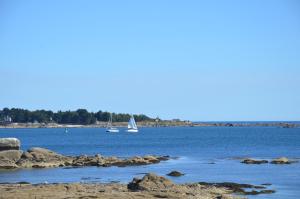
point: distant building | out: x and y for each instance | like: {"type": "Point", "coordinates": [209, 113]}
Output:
{"type": "Point", "coordinates": [6, 120]}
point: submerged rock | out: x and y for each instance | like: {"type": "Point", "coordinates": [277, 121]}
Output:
{"type": "Point", "coordinates": [150, 182]}
{"type": "Point", "coordinates": [254, 161]}
{"type": "Point", "coordinates": [175, 174]}
{"type": "Point", "coordinates": [9, 144]}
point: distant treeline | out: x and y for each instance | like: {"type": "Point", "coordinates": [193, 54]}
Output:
{"type": "Point", "coordinates": [80, 116]}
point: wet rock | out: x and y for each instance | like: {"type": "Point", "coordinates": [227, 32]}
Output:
{"type": "Point", "coordinates": [153, 159]}
{"type": "Point", "coordinates": [165, 157]}
{"type": "Point", "coordinates": [267, 191]}
{"type": "Point", "coordinates": [254, 161]}
{"type": "Point", "coordinates": [255, 192]}
{"type": "Point", "coordinates": [282, 160]}
{"type": "Point", "coordinates": [150, 182]}
{"type": "Point", "coordinates": [240, 188]}
{"type": "Point", "coordinates": [175, 174]}
{"type": "Point", "coordinates": [9, 144]}
{"type": "Point", "coordinates": [266, 184]}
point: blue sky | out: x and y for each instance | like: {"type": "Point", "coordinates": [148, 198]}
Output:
{"type": "Point", "coordinates": [196, 60]}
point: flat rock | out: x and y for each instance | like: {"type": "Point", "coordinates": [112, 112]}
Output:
{"type": "Point", "coordinates": [9, 144]}
{"type": "Point", "coordinates": [244, 189]}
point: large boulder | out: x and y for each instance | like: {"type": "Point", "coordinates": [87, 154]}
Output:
{"type": "Point", "coordinates": [7, 164]}
{"type": "Point", "coordinates": [150, 182]}
{"type": "Point", "coordinates": [9, 158]}
{"type": "Point", "coordinates": [39, 158]}
{"type": "Point", "coordinates": [9, 144]}
{"type": "Point", "coordinates": [13, 155]}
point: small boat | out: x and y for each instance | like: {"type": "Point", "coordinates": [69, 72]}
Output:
{"type": "Point", "coordinates": [132, 125]}
{"type": "Point", "coordinates": [109, 127]}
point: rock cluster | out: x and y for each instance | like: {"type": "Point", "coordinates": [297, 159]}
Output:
{"type": "Point", "coordinates": [282, 160]}
{"type": "Point", "coordinates": [150, 186]}
{"type": "Point", "coordinates": [42, 158]}
{"type": "Point", "coordinates": [244, 189]}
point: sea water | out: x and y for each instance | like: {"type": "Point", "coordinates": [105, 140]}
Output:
{"type": "Point", "coordinates": [210, 154]}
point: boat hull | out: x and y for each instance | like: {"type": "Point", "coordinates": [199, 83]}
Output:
{"type": "Point", "coordinates": [133, 130]}
{"type": "Point", "coordinates": [112, 130]}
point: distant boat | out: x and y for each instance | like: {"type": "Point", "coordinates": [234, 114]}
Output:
{"type": "Point", "coordinates": [66, 130]}
{"type": "Point", "coordinates": [132, 125]}
{"type": "Point", "coordinates": [109, 127]}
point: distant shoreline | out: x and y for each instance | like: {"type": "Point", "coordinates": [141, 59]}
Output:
{"type": "Point", "coordinates": [157, 124]}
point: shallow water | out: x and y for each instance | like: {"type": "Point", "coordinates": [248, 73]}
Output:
{"type": "Point", "coordinates": [196, 147]}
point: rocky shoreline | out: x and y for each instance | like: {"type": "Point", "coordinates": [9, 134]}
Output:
{"type": "Point", "coordinates": [162, 123]}
{"type": "Point", "coordinates": [11, 157]}
{"type": "Point", "coordinates": [281, 160]}
{"type": "Point", "coordinates": [150, 186]}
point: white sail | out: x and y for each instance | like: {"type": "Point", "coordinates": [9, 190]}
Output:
{"type": "Point", "coordinates": [109, 123]}
{"type": "Point", "coordinates": [131, 123]}
{"type": "Point", "coordinates": [109, 127]}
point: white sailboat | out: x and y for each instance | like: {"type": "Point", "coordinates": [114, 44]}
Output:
{"type": "Point", "coordinates": [109, 127]}
{"type": "Point", "coordinates": [132, 125]}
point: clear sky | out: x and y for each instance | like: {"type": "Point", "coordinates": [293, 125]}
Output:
{"type": "Point", "coordinates": [196, 60]}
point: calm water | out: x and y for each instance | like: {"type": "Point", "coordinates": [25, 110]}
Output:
{"type": "Point", "coordinates": [196, 147]}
